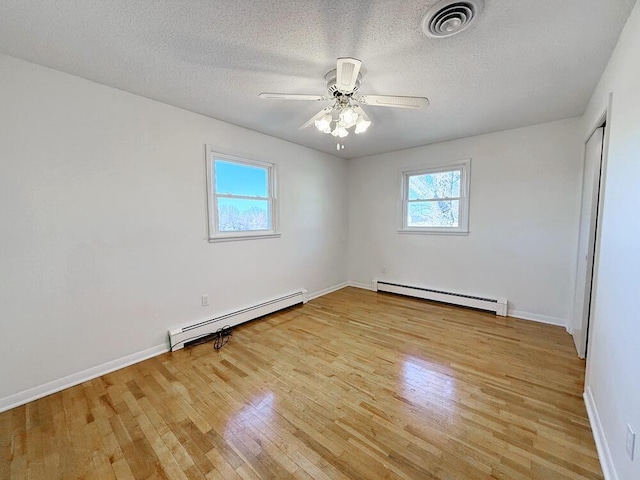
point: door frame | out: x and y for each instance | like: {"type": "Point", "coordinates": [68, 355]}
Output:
{"type": "Point", "coordinates": [596, 223]}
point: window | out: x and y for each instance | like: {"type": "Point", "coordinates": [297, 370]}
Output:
{"type": "Point", "coordinates": [436, 199]}
{"type": "Point", "coordinates": [242, 198]}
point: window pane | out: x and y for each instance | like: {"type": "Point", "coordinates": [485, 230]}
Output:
{"type": "Point", "coordinates": [238, 215]}
{"type": "Point", "coordinates": [443, 213]}
{"type": "Point", "coordinates": [434, 185]}
{"type": "Point", "coordinates": [238, 179]}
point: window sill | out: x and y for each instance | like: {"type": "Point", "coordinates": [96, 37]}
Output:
{"type": "Point", "coordinates": [434, 232]}
{"type": "Point", "coordinates": [242, 236]}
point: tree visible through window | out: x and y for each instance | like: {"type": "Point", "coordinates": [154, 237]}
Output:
{"type": "Point", "coordinates": [241, 198]}
{"type": "Point", "coordinates": [435, 199]}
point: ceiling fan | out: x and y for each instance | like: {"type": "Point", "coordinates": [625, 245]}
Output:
{"type": "Point", "coordinates": [343, 84]}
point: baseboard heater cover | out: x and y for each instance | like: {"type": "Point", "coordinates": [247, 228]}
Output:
{"type": "Point", "coordinates": [178, 336]}
{"type": "Point", "coordinates": [498, 305]}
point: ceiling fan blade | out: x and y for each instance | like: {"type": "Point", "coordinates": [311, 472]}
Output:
{"type": "Point", "coordinates": [393, 101]}
{"type": "Point", "coordinates": [347, 74]}
{"type": "Point", "coordinates": [291, 96]}
{"type": "Point", "coordinates": [317, 116]}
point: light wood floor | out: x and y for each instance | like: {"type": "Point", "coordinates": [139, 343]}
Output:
{"type": "Point", "coordinates": [352, 385]}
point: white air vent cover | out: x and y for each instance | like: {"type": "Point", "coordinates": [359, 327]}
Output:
{"type": "Point", "coordinates": [449, 17]}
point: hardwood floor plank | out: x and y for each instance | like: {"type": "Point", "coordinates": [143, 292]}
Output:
{"type": "Point", "coordinates": [351, 385]}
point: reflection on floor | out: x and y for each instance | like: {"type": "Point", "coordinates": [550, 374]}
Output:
{"type": "Point", "coordinates": [352, 385]}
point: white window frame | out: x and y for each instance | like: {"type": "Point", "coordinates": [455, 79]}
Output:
{"type": "Point", "coordinates": [464, 166]}
{"type": "Point", "coordinates": [215, 235]}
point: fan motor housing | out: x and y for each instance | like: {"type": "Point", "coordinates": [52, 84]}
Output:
{"type": "Point", "coordinates": [332, 88]}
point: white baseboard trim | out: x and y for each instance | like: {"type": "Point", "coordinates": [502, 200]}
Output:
{"type": "Point", "coordinates": [604, 454]}
{"type": "Point", "coordinates": [325, 291]}
{"type": "Point", "coordinates": [535, 317]}
{"type": "Point", "coordinates": [54, 386]}
{"type": "Point", "coordinates": [364, 286]}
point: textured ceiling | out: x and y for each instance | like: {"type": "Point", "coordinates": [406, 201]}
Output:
{"type": "Point", "coordinates": [522, 62]}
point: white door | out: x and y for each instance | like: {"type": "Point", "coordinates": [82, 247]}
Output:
{"type": "Point", "coordinates": [586, 241]}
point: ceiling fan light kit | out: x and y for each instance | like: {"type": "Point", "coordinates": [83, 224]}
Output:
{"type": "Point", "coordinates": [343, 83]}
{"type": "Point", "coordinates": [340, 119]}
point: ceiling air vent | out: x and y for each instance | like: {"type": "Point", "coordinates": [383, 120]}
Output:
{"type": "Point", "coordinates": [449, 17]}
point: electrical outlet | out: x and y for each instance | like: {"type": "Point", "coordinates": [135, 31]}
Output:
{"type": "Point", "coordinates": [631, 440]}
{"type": "Point", "coordinates": [205, 300]}
{"type": "Point", "coordinates": [383, 269]}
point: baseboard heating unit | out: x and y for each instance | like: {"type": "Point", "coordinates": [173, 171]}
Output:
{"type": "Point", "coordinates": [178, 336]}
{"type": "Point", "coordinates": [498, 305]}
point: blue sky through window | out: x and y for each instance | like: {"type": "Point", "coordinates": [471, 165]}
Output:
{"type": "Point", "coordinates": [237, 179]}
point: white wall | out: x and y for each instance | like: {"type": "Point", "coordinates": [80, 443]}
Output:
{"type": "Point", "coordinates": [103, 237]}
{"type": "Point", "coordinates": [613, 358]}
{"type": "Point", "coordinates": [523, 220]}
